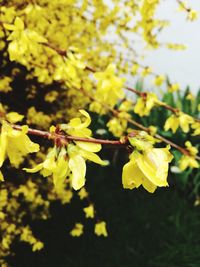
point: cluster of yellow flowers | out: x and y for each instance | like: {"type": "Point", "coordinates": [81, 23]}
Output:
{"type": "Point", "coordinates": [148, 166]}
{"type": "Point", "coordinates": [118, 125]}
{"type": "Point", "coordinates": [189, 160]}
{"type": "Point", "coordinates": [181, 120]}
{"type": "Point", "coordinates": [99, 229]}
{"type": "Point", "coordinates": [109, 89]}
{"type": "Point", "coordinates": [50, 62]}
{"type": "Point", "coordinates": [68, 160]}
{"type": "Point", "coordinates": [145, 104]}
{"type": "Point", "coordinates": [12, 215]}
{"type": "Point", "coordinates": [15, 144]}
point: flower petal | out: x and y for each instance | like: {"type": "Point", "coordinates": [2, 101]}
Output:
{"type": "Point", "coordinates": [78, 167]}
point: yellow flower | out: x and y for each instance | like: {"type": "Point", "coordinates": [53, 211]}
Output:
{"type": "Point", "coordinates": [144, 105]}
{"type": "Point", "coordinates": [77, 230]}
{"type": "Point", "coordinates": [142, 141]}
{"type": "Point", "coordinates": [176, 47]}
{"type": "Point", "coordinates": [158, 81]}
{"type": "Point", "coordinates": [89, 211]}
{"type": "Point", "coordinates": [70, 160]}
{"type": "Point", "coordinates": [190, 97]}
{"type": "Point", "coordinates": [146, 71]}
{"type": "Point", "coordinates": [149, 169]}
{"type": "Point", "coordinates": [1, 177]}
{"type": "Point", "coordinates": [184, 122]}
{"type": "Point", "coordinates": [117, 126]}
{"type": "Point", "coordinates": [189, 160]}
{"type": "Point", "coordinates": [15, 144]}
{"type": "Point", "coordinates": [82, 150]}
{"type": "Point", "coordinates": [38, 118]}
{"type": "Point", "coordinates": [100, 229]}
{"type": "Point", "coordinates": [181, 120]}
{"type": "Point", "coordinates": [65, 195]}
{"type": "Point", "coordinates": [134, 69]}
{"type": "Point", "coordinates": [173, 87]}
{"type": "Point", "coordinates": [5, 84]}
{"type": "Point", "coordinates": [83, 193]}
{"type": "Point", "coordinates": [109, 88]}
{"type": "Point", "coordinates": [193, 150]}
{"type": "Point", "coordinates": [22, 40]}
{"type": "Point", "coordinates": [196, 127]}
{"type": "Point", "coordinates": [192, 15]}
{"type": "Point", "coordinates": [14, 117]}
{"type": "Point", "coordinates": [172, 123]}
{"type": "Point", "coordinates": [51, 96]}
{"type": "Point", "coordinates": [153, 130]}
{"type": "Point", "coordinates": [37, 246]}
{"type": "Point", "coordinates": [27, 236]}
{"type": "Point", "coordinates": [55, 164]}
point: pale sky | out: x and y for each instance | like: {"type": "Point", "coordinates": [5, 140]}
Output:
{"type": "Point", "coordinates": [183, 66]}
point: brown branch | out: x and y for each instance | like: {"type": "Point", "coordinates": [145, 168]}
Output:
{"type": "Point", "coordinates": [140, 126]}
{"type": "Point", "coordinates": [116, 113]}
{"type": "Point", "coordinates": [141, 94]}
{"type": "Point", "coordinates": [121, 143]}
{"type": "Point", "coordinates": [48, 135]}
{"type": "Point", "coordinates": [160, 103]}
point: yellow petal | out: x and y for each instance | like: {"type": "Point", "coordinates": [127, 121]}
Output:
{"type": "Point", "coordinates": [78, 167]}
{"type": "Point", "coordinates": [19, 24]}
{"type": "Point", "coordinates": [1, 177]}
{"type": "Point", "coordinates": [92, 157]}
{"type": "Point", "coordinates": [35, 169]}
{"type": "Point", "coordinates": [89, 211]}
{"type": "Point", "coordinates": [14, 117]}
{"type": "Point", "coordinates": [76, 122]}
{"type": "Point", "coordinates": [49, 164]}
{"type": "Point", "coordinates": [13, 49]}
{"type": "Point", "coordinates": [89, 146]}
{"type": "Point", "coordinates": [3, 145]}
{"type": "Point", "coordinates": [148, 185]}
{"type": "Point", "coordinates": [154, 165]}
{"type": "Point", "coordinates": [77, 230]}
{"type": "Point", "coordinates": [100, 229]}
{"type": "Point", "coordinates": [172, 123]}
{"type": "Point", "coordinates": [60, 172]}
{"type": "Point", "coordinates": [131, 175]}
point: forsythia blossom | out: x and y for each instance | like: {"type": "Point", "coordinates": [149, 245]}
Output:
{"type": "Point", "coordinates": [173, 87]}
{"type": "Point", "coordinates": [117, 126]}
{"type": "Point", "coordinates": [15, 144]}
{"type": "Point", "coordinates": [148, 166]}
{"type": "Point", "coordinates": [83, 193]}
{"type": "Point", "coordinates": [22, 40]}
{"type": "Point", "coordinates": [77, 230]}
{"type": "Point", "coordinates": [89, 211]}
{"type": "Point", "coordinates": [196, 127]}
{"type": "Point", "coordinates": [109, 89]}
{"type": "Point", "coordinates": [158, 81]}
{"type": "Point", "coordinates": [100, 229]}
{"type": "Point", "coordinates": [68, 159]}
{"type": "Point", "coordinates": [145, 104]}
{"type": "Point", "coordinates": [181, 120]}
{"type": "Point", "coordinates": [189, 160]}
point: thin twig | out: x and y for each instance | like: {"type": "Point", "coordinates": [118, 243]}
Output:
{"type": "Point", "coordinates": [140, 126]}
{"type": "Point", "coordinates": [53, 135]}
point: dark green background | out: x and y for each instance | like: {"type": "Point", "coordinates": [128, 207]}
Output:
{"type": "Point", "coordinates": [151, 230]}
